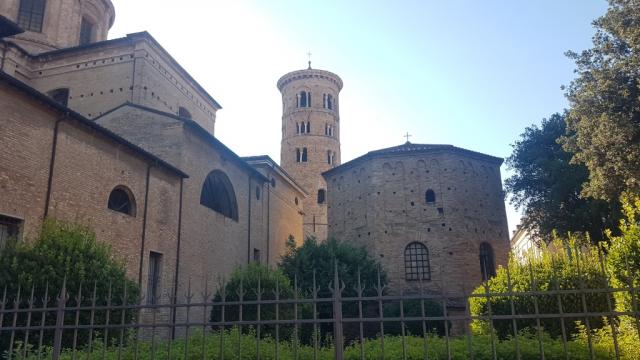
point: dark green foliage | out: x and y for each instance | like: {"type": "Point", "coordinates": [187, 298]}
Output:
{"type": "Point", "coordinates": [546, 185]}
{"type": "Point", "coordinates": [320, 257]}
{"type": "Point", "coordinates": [64, 251]}
{"type": "Point", "coordinates": [254, 282]}
{"type": "Point", "coordinates": [604, 116]}
{"type": "Point", "coordinates": [566, 265]}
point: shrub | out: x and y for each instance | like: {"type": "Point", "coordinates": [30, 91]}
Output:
{"type": "Point", "coordinates": [623, 253]}
{"type": "Point", "coordinates": [568, 264]}
{"type": "Point", "coordinates": [246, 281]}
{"type": "Point", "coordinates": [64, 252]}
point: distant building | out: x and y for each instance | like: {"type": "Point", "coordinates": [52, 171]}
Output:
{"type": "Point", "coordinates": [522, 243]}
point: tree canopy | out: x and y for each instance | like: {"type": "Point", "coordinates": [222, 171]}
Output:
{"type": "Point", "coordinates": [546, 186]}
{"type": "Point", "coordinates": [604, 115]}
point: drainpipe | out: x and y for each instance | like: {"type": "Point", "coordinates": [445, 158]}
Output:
{"type": "Point", "coordinates": [54, 146]}
{"type": "Point", "coordinates": [144, 225]}
{"type": "Point", "coordinates": [249, 224]}
{"type": "Point", "coordinates": [177, 271]}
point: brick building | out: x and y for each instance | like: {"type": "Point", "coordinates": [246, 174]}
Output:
{"type": "Point", "coordinates": [115, 134]}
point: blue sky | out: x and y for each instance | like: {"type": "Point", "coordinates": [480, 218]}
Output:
{"type": "Point", "coordinates": [468, 73]}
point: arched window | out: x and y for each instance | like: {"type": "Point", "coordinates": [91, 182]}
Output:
{"type": "Point", "coordinates": [304, 155]}
{"type": "Point", "coordinates": [86, 31]}
{"type": "Point", "coordinates": [322, 194]}
{"type": "Point", "coordinates": [60, 96]}
{"type": "Point", "coordinates": [308, 127]}
{"type": "Point", "coordinates": [487, 262]}
{"type": "Point", "coordinates": [303, 99]}
{"type": "Point", "coordinates": [329, 102]}
{"type": "Point", "coordinates": [416, 262]}
{"type": "Point", "coordinates": [184, 113]}
{"type": "Point", "coordinates": [303, 127]}
{"type": "Point", "coordinates": [31, 14]}
{"type": "Point", "coordinates": [297, 128]}
{"type": "Point", "coordinates": [218, 195]}
{"type": "Point", "coordinates": [430, 196]}
{"type": "Point", "coordinates": [121, 200]}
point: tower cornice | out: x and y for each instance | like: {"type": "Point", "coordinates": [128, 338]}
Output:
{"type": "Point", "coordinates": [309, 74]}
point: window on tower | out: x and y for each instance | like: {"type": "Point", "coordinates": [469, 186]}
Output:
{"type": "Point", "coordinates": [297, 128]}
{"type": "Point", "coordinates": [304, 155]}
{"type": "Point", "coordinates": [304, 99]}
{"type": "Point", "coordinates": [322, 194]}
{"type": "Point", "coordinates": [308, 127]}
{"type": "Point", "coordinates": [86, 31]}
{"type": "Point", "coordinates": [487, 263]}
{"type": "Point", "coordinates": [329, 102]}
{"type": "Point", "coordinates": [31, 14]}
{"type": "Point", "coordinates": [330, 157]}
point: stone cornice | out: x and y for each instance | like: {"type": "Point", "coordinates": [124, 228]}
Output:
{"type": "Point", "coordinates": [309, 74]}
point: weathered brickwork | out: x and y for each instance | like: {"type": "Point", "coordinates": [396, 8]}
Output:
{"type": "Point", "coordinates": [284, 199]}
{"type": "Point", "coordinates": [105, 75]}
{"type": "Point", "coordinates": [312, 124]}
{"type": "Point", "coordinates": [378, 201]}
{"type": "Point", "coordinates": [88, 166]}
{"type": "Point", "coordinates": [61, 23]}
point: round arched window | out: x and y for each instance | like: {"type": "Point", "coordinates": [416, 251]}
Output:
{"type": "Point", "coordinates": [218, 195]}
{"type": "Point", "coordinates": [121, 200]}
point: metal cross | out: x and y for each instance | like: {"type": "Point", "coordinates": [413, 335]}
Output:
{"type": "Point", "coordinates": [309, 54]}
{"type": "Point", "coordinates": [407, 136]}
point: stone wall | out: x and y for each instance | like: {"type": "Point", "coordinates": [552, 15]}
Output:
{"type": "Point", "coordinates": [380, 203]}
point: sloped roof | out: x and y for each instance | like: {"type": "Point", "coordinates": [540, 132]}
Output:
{"type": "Point", "coordinates": [410, 148]}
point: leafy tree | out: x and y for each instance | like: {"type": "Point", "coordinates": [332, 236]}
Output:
{"type": "Point", "coordinates": [604, 116]}
{"type": "Point", "coordinates": [65, 252]}
{"type": "Point", "coordinates": [547, 186]}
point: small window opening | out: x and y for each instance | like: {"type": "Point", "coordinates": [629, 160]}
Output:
{"type": "Point", "coordinates": [153, 282]}
{"type": "Point", "coordinates": [430, 196]}
{"type": "Point", "coordinates": [86, 31]}
{"type": "Point", "coordinates": [61, 96]}
{"type": "Point", "coordinates": [303, 157]}
{"type": "Point", "coordinates": [256, 256]}
{"type": "Point", "coordinates": [487, 262]}
{"type": "Point", "coordinates": [308, 127]}
{"type": "Point", "coordinates": [184, 113]}
{"type": "Point", "coordinates": [257, 193]}
{"type": "Point", "coordinates": [321, 196]}
{"type": "Point", "coordinates": [9, 229]}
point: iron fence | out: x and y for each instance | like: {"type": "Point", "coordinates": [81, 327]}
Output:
{"type": "Point", "coordinates": [336, 321]}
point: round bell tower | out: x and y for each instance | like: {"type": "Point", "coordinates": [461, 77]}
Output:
{"type": "Point", "coordinates": [311, 138]}
{"type": "Point", "coordinates": [57, 24]}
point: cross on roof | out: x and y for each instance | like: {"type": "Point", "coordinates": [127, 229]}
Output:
{"type": "Point", "coordinates": [309, 55]}
{"type": "Point", "coordinates": [407, 136]}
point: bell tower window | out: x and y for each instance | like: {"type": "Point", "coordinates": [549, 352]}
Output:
{"type": "Point", "coordinates": [86, 31]}
{"type": "Point", "coordinates": [304, 99]}
{"type": "Point", "coordinates": [31, 15]}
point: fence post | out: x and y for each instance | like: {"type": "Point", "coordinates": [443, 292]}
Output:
{"type": "Point", "coordinates": [57, 338]}
{"type": "Point", "coordinates": [337, 314]}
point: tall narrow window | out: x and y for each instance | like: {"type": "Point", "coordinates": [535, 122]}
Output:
{"type": "Point", "coordinates": [487, 262]}
{"type": "Point", "coordinates": [308, 127]}
{"type": "Point", "coordinates": [322, 194]}
{"type": "Point", "coordinates": [430, 196]}
{"type": "Point", "coordinates": [329, 157]}
{"type": "Point", "coordinates": [298, 155]}
{"type": "Point", "coordinates": [184, 113]}
{"type": "Point", "coordinates": [303, 127]}
{"type": "Point", "coordinates": [303, 99]}
{"type": "Point", "coordinates": [218, 195]}
{"type": "Point", "coordinates": [309, 99]}
{"type": "Point", "coordinates": [324, 101]}
{"type": "Point", "coordinates": [31, 15]}
{"type": "Point", "coordinates": [304, 155]}
{"type": "Point", "coordinates": [86, 32]}
{"type": "Point", "coordinates": [9, 228]}
{"type": "Point", "coordinates": [60, 96]}
{"type": "Point", "coordinates": [256, 256]}
{"type": "Point", "coordinates": [121, 200]}
{"type": "Point", "coordinates": [329, 102]}
{"type": "Point", "coordinates": [153, 282]}
{"type": "Point", "coordinates": [416, 262]}
{"type": "Point", "coordinates": [297, 128]}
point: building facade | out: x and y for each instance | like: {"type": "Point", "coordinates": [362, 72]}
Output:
{"type": "Point", "coordinates": [115, 134]}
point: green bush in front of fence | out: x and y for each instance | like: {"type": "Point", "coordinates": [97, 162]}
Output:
{"type": "Point", "coordinates": [566, 264]}
{"type": "Point", "coordinates": [62, 252]}
{"type": "Point", "coordinates": [233, 342]}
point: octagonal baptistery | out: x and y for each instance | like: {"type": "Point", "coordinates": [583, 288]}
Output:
{"type": "Point", "coordinates": [56, 24]}
{"type": "Point", "coordinates": [434, 215]}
